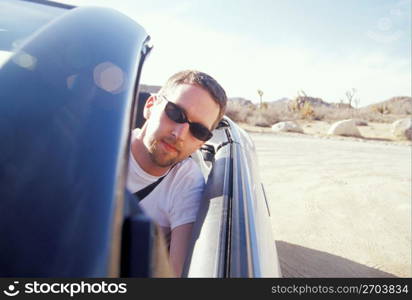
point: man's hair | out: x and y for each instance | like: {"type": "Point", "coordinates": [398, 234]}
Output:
{"type": "Point", "coordinates": [203, 80]}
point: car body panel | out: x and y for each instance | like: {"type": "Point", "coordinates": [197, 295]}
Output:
{"type": "Point", "coordinates": [65, 113]}
{"type": "Point", "coordinates": [209, 245]}
{"type": "Point", "coordinates": [254, 240]}
{"type": "Point", "coordinates": [232, 234]}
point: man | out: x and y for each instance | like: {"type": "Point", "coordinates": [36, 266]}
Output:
{"type": "Point", "coordinates": [179, 120]}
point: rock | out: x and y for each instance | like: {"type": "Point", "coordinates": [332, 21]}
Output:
{"type": "Point", "coordinates": [287, 127]}
{"type": "Point", "coordinates": [345, 128]}
{"type": "Point", "coordinates": [402, 129]}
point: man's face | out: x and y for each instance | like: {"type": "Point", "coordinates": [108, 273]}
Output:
{"type": "Point", "coordinates": [169, 142]}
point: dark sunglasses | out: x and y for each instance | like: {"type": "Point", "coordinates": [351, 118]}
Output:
{"type": "Point", "coordinates": [177, 114]}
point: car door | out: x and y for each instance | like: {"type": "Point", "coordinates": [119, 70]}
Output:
{"type": "Point", "coordinates": [232, 235]}
{"type": "Point", "coordinates": [68, 88]}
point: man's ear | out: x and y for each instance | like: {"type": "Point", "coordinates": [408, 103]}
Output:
{"type": "Point", "coordinates": [150, 102]}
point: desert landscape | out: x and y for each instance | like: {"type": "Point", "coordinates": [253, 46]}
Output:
{"type": "Point", "coordinates": [340, 205]}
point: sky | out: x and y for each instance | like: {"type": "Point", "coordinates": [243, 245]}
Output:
{"type": "Point", "coordinates": [323, 48]}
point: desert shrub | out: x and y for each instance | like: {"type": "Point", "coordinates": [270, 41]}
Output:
{"type": "Point", "coordinates": [373, 116]}
{"type": "Point", "coordinates": [264, 106]}
{"type": "Point", "coordinates": [263, 117]}
{"type": "Point", "coordinates": [332, 113]}
{"type": "Point", "coordinates": [307, 111]}
{"type": "Point", "coordinates": [294, 105]}
{"type": "Point", "coordinates": [238, 112]}
{"type": "Point", "coordinates": [258, 120]}
{"type": "Point", "coordinates": [271, 115]}
{"type": "Point", "coordinates": [250, 114]}
{"type": "Point", "coordinates": [401, 105]}
{"type": "Point", "coordinates": [382, 109]}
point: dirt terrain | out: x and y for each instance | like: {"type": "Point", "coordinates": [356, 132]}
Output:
{"type": "Point", "coordinates": [340, 207]}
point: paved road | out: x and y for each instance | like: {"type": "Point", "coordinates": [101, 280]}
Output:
{"type": "Point", "coordinates": [340, 208]}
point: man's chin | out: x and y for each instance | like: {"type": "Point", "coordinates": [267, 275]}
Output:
{"type": "Point", "coordinates": [164, 163]}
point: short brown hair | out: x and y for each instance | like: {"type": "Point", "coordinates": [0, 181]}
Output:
{"type": "Point", "coordinates": [202, 80]}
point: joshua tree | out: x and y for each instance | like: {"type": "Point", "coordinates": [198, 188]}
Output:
{"type": "Point", "coordinates": [350, 97]}
{"type": "Point", "coordinates": [302, 94]}
{"type": "Point", "coordinates": [300, 100]}
{"type": "Point", "coordinates": [260, 93]}
{"type": "Point", "coordinates": [356, 102]}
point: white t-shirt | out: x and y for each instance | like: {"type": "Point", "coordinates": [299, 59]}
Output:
{"type": "Point", "coordinates": [175, 201]}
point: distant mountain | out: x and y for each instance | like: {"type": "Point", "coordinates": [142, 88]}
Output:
{"type": "Point", "coordinates": [313, 101]}
{"type": "Point", "coordinates": [401, 105]}
{"type": "Point", "coordinates": [280, 104]}
{"type": "Point", "coordinates": [281, 100]}
{"type": "Point", "coordinates": [241, 101]}
{"type": "Point", "coordinates": [287, 103]}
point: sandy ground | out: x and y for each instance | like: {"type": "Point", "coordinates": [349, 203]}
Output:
{"type": "Point", "coordinates": [341, 207]}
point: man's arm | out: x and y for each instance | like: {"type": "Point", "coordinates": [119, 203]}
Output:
{"type": "Point", "coordinates": [162, 266]}
{"type": "Point", "coordinates": [179, 243]}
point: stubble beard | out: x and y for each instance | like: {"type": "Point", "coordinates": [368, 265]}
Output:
{"type": "Point", "coordinates": [159, 157]}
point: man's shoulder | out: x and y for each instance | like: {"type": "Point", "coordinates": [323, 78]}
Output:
{"type": "Point", "coordinates": [188, 168]}
{"type": "Point", "coordinates": [187, 165]}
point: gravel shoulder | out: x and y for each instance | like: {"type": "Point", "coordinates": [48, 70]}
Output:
{"type": "Point", "coordinates": [340, 207]}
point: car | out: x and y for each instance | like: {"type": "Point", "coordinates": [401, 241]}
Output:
{"type": "Point", "coordinates": [70, 97]}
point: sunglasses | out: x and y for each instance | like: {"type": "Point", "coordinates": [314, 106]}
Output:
{"type": "Point", "coordinates": [178, 115]}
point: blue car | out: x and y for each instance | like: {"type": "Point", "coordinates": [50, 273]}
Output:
{"type": "Point", "coordinates": [69, 99]}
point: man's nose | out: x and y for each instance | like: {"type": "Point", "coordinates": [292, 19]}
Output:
{"type": "Point", "coordinates": [181, 130]}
